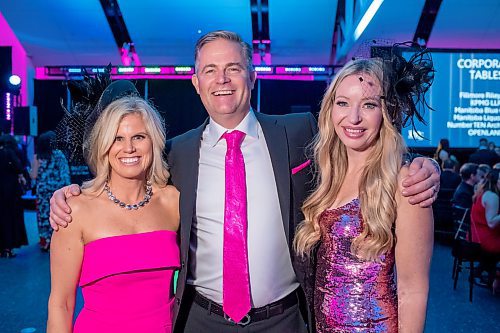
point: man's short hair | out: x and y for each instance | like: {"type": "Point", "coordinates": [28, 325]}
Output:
{"type": "Point", "coordinates": [227, 35]}
{"type": "Point", "coordinates": [467, 170]}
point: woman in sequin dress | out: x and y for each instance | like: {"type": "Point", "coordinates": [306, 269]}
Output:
{"type": "Point", "coordinates": [358, 230]}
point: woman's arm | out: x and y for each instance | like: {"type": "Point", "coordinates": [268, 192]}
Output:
{"type": "Point", "coordinates": [66, 255]}
{"type": "Point", "coordinates": [490, 202]}
{"type": "Point", "coordinates": [414, 234]}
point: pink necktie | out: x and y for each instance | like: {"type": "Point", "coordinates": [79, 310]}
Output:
{"type": "Point", "coordinates": [236, 282]}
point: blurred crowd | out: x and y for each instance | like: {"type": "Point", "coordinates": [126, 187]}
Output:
{"type": "Point", "coordinates": [20, 178]}
{"type": "Point", "coordinates": [474, 187]}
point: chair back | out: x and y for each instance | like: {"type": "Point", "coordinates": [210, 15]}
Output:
{"type": "Point", "coordinates": [463, 247]}
{"type": "Point", "coordinates": [442, 210]}
{"type": "Point", "coordinates": [461, 219]}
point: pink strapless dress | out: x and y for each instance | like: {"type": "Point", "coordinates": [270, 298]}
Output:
{"type": "Point", "coordinates": [127, 283]}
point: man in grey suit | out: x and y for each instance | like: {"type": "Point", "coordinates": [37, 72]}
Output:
{"type": "Point", "coordinates": [272, 146]}
{"type": "Point", "coordinates": [278, 178]}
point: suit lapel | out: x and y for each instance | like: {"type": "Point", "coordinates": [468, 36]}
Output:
{"type": "Point", "coordinates": [276, 140]}
{"type": "Point", "coordinates": [188, 183]}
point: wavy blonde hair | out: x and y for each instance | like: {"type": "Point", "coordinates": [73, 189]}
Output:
{"type": "Point", "coordinates": [103, 135]}
{"type": "Point", "coordinates": [378, 181]}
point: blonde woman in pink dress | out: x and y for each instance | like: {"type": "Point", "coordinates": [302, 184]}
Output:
{"type": "Point", "coordinates": [121, 248]}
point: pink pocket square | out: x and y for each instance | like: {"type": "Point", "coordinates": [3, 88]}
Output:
{"type": "Point", "coordinates": [300, 167]}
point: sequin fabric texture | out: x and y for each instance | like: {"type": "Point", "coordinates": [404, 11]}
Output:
{"type": "Point", "coordinates": [351, 294]}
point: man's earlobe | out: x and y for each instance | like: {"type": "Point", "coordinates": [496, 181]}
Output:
{"type": "Point", "coordinates": [194, 81]}
{"type": "Point", "coordinates": [253, 77]}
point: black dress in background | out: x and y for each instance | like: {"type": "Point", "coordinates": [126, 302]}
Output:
{"type": "Point", "coordinates": [12, 230]}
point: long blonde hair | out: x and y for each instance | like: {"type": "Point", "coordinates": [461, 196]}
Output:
{"type": "Point", "coordinates": [378, 180]}
{"type": "Point", "coordinates": [103, 135]}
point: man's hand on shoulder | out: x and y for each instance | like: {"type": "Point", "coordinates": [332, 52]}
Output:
{"type": "Point", "coordinates": [59, 209]}
{"type": "Point", "coordinates": [422, 183]}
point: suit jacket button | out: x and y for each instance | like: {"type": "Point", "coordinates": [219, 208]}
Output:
{"type": "Point", "coordinates": [178, 300]}
{"type": "Point", "coordinates": [183, 264]}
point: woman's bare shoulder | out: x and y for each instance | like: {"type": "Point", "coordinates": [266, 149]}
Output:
{"type": "Point", "coordinates": [490, 197]}
{"type": "Point", "coordinates": [168, 193]}
{"type": "Point", "coordinates": [82, 204]}
{"type": "Point", "coordinates": [169, 201]}
{"type": "Point", "coordinates": [79, 205]}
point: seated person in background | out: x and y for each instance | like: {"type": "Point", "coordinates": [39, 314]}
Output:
{"type": "Point", "coordinates": [485, 221]}
{"type": "Point", "coordinates": [450, 179]}
{"type": "Point", "coordinates": [470, 177]}
{"type": "Point", "coordinates": [483, 155]}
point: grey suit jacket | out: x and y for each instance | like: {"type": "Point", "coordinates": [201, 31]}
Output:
{"type": "Point", "coordinates": [287, 137]}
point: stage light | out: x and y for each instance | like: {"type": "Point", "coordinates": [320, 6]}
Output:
{"type": "Point", "coordinates": [14, 85]}
{"type": "Point", "coordinates": [8, 107]}
{"type": "Point", "coordinates": [263, 69]}
{"type": "Point", "coordinates": [14, 80]}
{"type": "Point", "coordinates": [421, 41]}
{"type": "Point", "coordinates": [316, 69]}
{"type": "Point", "coordinates": [152, 70]}
{"type": "Point", "coordinates": [291, 72]}
{"type": "Point", "coordinates": [183, 68]}
{"type": "Point", "coordinates": [126, 69]}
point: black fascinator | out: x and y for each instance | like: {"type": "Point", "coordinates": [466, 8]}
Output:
{"type": "Point", "coordinates": [89, 97]}
{"type": "Point", "coordinates": [408, 81]}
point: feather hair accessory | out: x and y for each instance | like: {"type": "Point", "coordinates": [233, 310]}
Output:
{"type": "Point", "coordinates": [89, 97]}
{"type": "Point", "coordinates": [408, 80]}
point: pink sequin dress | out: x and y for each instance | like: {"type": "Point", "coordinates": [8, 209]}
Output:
{"type": "Point", "coordinates": [127, 283]}
{"type": "Point", "coordinates": [352, 295]}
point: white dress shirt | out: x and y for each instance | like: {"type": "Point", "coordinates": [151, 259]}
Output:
{"type": "Point", "coordinates": [271, 273]}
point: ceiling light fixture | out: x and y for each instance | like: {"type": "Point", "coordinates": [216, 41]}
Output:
{"type": "Point", "coordinates": [367, 17]}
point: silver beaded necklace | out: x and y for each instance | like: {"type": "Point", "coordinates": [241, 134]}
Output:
{"type": "Point", "coordinates": [142, 203]}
